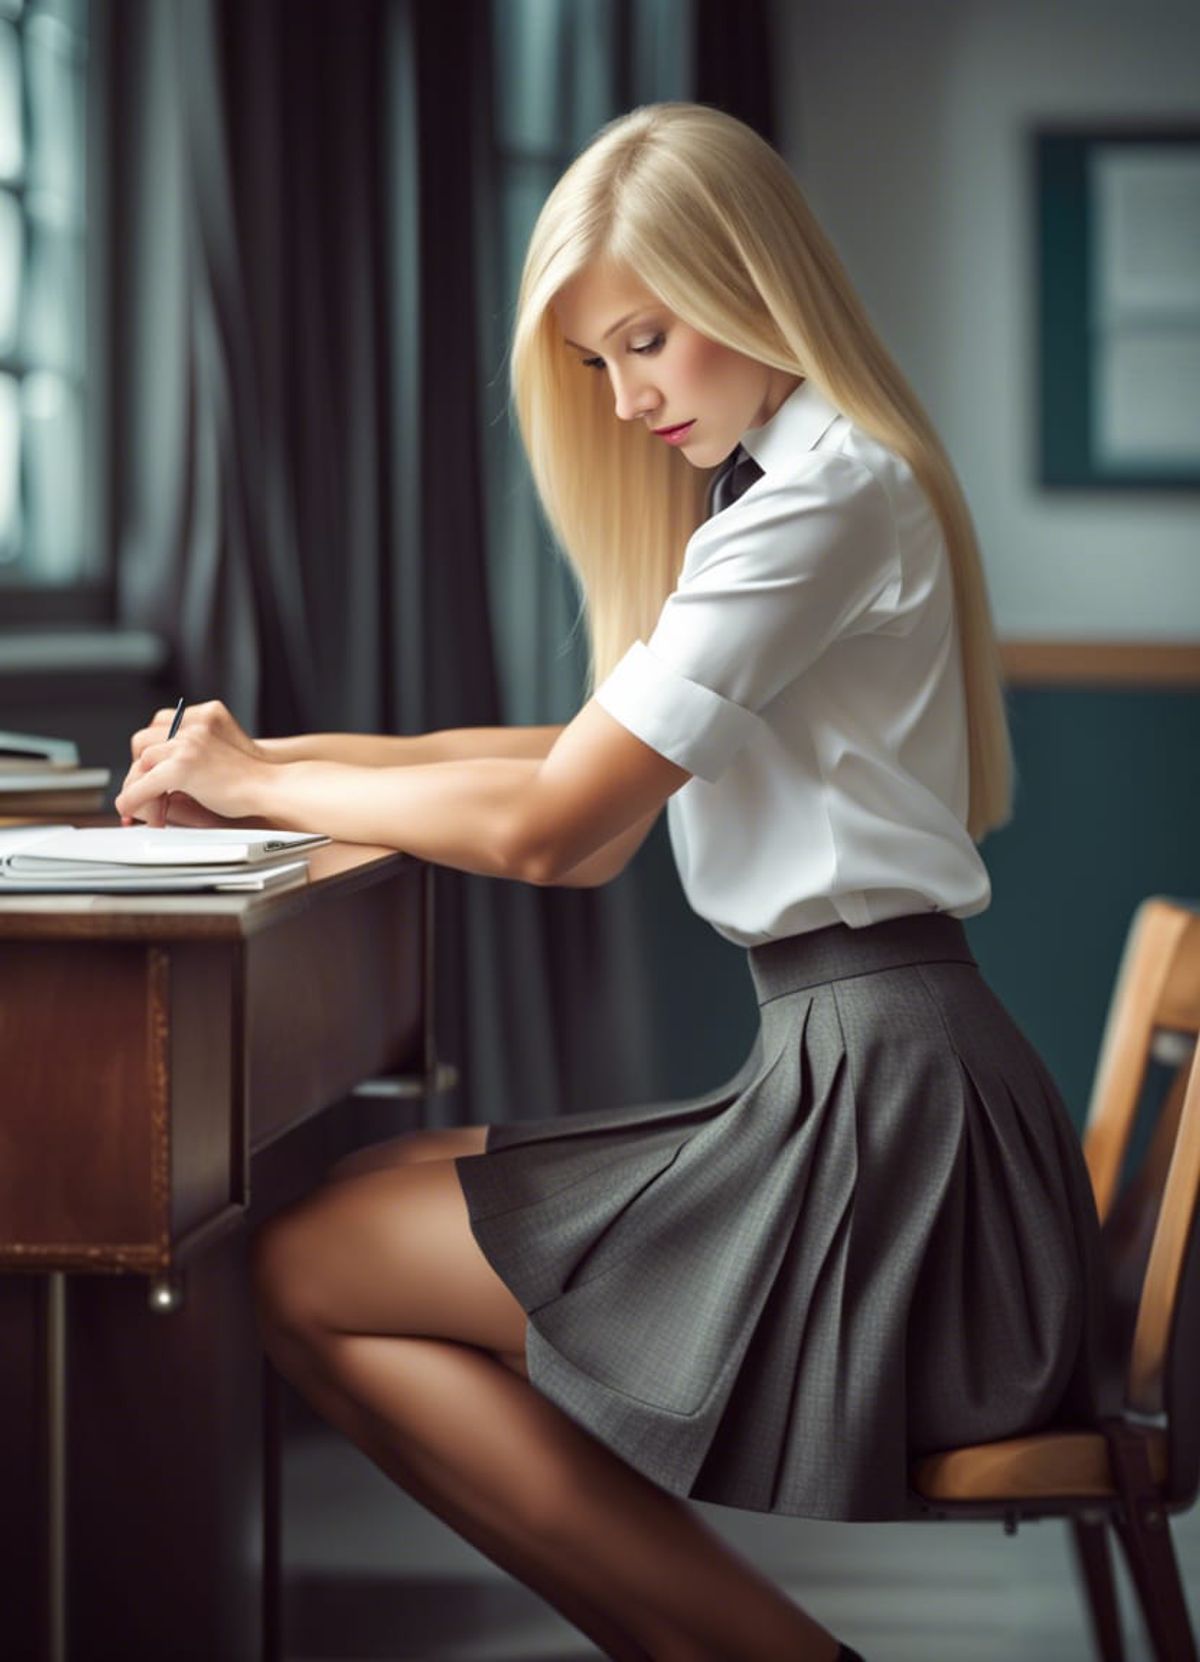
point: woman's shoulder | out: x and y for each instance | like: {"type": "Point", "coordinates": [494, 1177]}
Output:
{"type": "Point", "coordinates": [820, 498]}
{"type": "Point", "coordinates": [886, 466]}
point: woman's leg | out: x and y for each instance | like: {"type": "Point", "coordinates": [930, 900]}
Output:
{"type": "Point", "coordinates": [378, 1302]}
{"type": "Point", "coordinates": [340, 1410]}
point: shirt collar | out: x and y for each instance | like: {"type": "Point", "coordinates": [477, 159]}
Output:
{"type": "Point", "coordinates": [799, 423]}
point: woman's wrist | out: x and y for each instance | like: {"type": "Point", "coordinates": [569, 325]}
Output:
{"type": "Point", "coordinates": [359, 749]}
{"type": "Point", "coordinates": [289, 795]}
{"type": "Point", "coordinates": [261, 794]}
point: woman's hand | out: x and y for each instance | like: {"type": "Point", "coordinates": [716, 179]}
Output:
{"type": "Point", "coordinates": [213, 715]}
{"type": "Point", "coordinates": [204, 776]}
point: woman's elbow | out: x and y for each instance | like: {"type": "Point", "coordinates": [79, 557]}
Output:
{"type": "Point", "coordinates": [530, 855]}
{"type": "Point", "coordinates": [541, 856]}
{"type": "Point", "coordinates": [541, 871]}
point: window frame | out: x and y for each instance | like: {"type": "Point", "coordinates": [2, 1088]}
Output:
{"type": "Point", "coordinates": [1065, 275]}
{"type": "Point", "coordinates": [90, 597]}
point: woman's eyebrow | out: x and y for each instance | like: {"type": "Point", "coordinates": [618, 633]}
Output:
{"type": "Point", "coordinates": [619, 324]}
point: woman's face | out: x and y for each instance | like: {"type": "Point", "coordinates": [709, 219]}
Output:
{"type": "Point", "coordinates": [662, 371]}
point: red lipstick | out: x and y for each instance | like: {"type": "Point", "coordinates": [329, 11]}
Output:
{"type": "Point", "coordinates": [673, 435]}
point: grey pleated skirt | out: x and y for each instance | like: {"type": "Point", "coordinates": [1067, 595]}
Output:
{"type": "Point", "coordinates": [878, 1239]}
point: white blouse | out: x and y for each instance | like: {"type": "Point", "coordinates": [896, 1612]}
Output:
{"type": "Point", "coordinates": [805, 671]}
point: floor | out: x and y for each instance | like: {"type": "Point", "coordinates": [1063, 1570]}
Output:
{"type": "Point", "coordinates": [372, 1575]}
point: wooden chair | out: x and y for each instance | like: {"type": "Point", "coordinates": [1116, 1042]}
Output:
{"type": "Point", "coordinates": [1137, 1466]}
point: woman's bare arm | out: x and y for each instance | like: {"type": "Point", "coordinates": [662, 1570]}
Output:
{"type": "Point", "coordinates": [610, 861]}
{"type": "Point", "coordinates": [571, 813]}
{"type": "Point", "coordinates": [452, 744]}
{"type": "Point", "coordinates": [459, 743]}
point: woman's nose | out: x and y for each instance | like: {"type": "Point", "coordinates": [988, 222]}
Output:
{"type": "Point", "coordinates": [635, 397]}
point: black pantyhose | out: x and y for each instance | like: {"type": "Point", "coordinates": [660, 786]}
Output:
{"type": "Point", "coordinates": [377, 1303]}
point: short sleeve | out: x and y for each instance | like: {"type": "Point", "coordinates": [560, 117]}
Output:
{"type": "Point", "coordinates": [767, 585]}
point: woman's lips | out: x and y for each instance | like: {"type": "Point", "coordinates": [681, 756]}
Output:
{"type": "Point", "coordinates": [674, 434]}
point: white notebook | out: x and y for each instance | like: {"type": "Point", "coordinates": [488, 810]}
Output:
{"type": "Point", "coordinates": [164, 845]}
{"type": "Point", "coordinates": [64, 858]}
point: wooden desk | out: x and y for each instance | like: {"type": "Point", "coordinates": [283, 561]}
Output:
{"type": "Point", "coordinates": [158, 1056]}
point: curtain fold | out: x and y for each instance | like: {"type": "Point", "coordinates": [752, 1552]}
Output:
{"type": "Point", "coordinates": [733, 61]}
{"type": "Point", "coordinates": [318, 496]}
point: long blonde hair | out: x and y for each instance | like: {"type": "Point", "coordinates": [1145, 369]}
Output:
{"type": "Point", "coordinates": [706, 214]}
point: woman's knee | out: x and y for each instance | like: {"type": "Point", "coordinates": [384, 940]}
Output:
{"type": "Point", "coordinates": [514, 1361]}
{"type": "Point", "coordinates": [281, 1258]}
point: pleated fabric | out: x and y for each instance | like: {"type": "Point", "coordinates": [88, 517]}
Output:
{"type": "Point", "coordinates": [878, 1239]}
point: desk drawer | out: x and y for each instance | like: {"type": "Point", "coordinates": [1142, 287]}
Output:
{"type": "Point", "coordinates": [139, 1076]}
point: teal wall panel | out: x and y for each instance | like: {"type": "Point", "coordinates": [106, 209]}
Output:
{"type": "Point", "coordinates": [1107, 802]}
{"type": "Point", "coordinates": [1107, 805]}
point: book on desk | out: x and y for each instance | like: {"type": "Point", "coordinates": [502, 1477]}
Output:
{"type": "Point", "coordinates": [43, 776]}
{"type": "Point", "coordinates": [141, 859]}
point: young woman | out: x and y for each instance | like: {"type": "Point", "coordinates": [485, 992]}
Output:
{"type": "Point", "coordinates": [878, 1238]}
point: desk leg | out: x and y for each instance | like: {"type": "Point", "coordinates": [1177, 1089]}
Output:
{"type": "Point", "coordinates": [272, 1581]}
{"type": "Point", "coordinates": [56, 1465]}
{"type": "Point", "coordinates": [166, 1478]}
{"type": "Point", "coordinates": [22, 1468]}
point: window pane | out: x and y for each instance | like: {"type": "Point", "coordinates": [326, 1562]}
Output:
{"type": "Point", "coordinates": [12, 144]}
{"type": "Point", "coordinates": [530, 76]}
{"type": "Point", "coordinates": [12, 262]}
{"type": "Point", "coordinates": [42, 290]}
{"type": "Point", "coordinates": [71, 12]}
{"type": "Point", "coordinates": [10, 469]}
{"type": "Point", "coordinates": [593, 68]}
{"type": "Point", "coordinates": [525, 189]}
{"type": "Point", "coordinates": [664, 38]}
{"type": "Point", "coordinates": [53, 435]}
{"type": "Point", "coordinates": [54, 71]}
{"type": "Point", "coordinates": [54, 303]}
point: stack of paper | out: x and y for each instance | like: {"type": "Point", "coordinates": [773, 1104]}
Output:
{"type": "Point", "coordinates": [141, 859]}
{"type": "Point", "coordinates": [39, 776]}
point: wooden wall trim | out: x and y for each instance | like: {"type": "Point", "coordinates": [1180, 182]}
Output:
{"type": "Point", "coordinates": [1101, 663]}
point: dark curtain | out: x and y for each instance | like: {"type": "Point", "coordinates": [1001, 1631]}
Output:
{"type": "Point", "coordinates": [733, 59]}
{"type": "Point", "coordinates": [300, 403]}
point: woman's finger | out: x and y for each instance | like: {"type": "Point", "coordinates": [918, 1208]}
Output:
{"type": "Point", "coordinates": [184, 810]}
{"type": "Point", "coordinates": [158, 727]}
{"type": "Point", "coordinates": [149, 779]}
{"type": "Point", "coordinates": [137, 768]}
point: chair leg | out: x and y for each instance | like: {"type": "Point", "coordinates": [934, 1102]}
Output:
{"type": "Point", "coordinates": [1090, 1536]}
{"type": "Point", "coordinates": [1145, 1533]}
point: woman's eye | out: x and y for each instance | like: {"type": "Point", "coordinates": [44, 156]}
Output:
{"type": "Point", "coordinates": [654, 344]}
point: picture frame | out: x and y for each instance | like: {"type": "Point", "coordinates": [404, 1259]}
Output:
{"type": "Point", "coordinates": [1117, 211]}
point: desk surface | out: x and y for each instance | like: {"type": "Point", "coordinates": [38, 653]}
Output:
{"type": "Point", "coordinates": [335, 867]}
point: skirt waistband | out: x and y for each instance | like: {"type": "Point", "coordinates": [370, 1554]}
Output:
{"type": "Point", "coordinates": [837, 951]}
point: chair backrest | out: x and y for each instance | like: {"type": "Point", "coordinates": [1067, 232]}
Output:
{"type": "Point", "coordinates": [1146, 997]}
{"type": "Point", "coordinates": [1156, 999]}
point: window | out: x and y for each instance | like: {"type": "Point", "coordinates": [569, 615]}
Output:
{"type": "Point", "coordinates": [561, 68]}
{"type": "Point", "coordinates": [43, 55]}
{"type": "Point", "coordinates": [1119, 268]}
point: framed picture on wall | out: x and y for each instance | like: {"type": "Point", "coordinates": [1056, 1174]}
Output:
{"type": "Point", "coordinates": [1118, 275]}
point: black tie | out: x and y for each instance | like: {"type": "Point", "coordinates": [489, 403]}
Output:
{"type": "Point", "coordinates": [737, 478]}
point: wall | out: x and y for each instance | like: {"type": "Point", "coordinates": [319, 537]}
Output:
{"type": "Point", "coordinates": [908, 123]}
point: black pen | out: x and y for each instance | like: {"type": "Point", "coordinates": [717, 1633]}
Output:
{"type": "Point", "coordinates": [175, 720]}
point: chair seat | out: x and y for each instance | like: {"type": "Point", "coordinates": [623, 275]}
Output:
{"type": "Point", "coordinates": [1048, 1463]}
